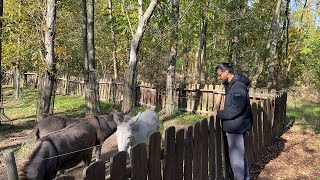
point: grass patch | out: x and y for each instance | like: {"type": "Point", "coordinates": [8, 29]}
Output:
{"type": "Point", "coordinates": [188, 118]}
{"type": "Point", "coordinates": [305, 115]}
{"type": "Point", "coordinates": [182, 121]}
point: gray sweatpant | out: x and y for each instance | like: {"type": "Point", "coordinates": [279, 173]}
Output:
{"type": "Point", "coordinates": [237, 156]}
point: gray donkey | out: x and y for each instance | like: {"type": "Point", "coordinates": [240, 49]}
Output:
{"type": "Point", "coordinates": [65, 148]}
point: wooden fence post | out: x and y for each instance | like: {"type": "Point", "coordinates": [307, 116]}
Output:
{"type": "Point", "coordinates": [179, 154]}
{"type": "Point", "coordinates": [188, 156]}
{"type": "Point", "coordinates": [11, 166]}
{"type": "Point", "coordinates": [204, 151]}
{"type": "Point", "coordinates": [139, 162]}
{"type": "Point", "coordinates": [95, 171]}
{"type": "Point", "coordinates": [197, 166]}
{"type": "Point", "coordinates": [169, 154]}
{"type": "Point", "coordinates": [118, 166]}
{"type": "Point", "coordinates": [154, 160]}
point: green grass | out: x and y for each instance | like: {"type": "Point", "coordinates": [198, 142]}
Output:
{"type": "Point", "coordinates": [188, 118]}
{"type": "Point", "coordinates": [305, 115]}
{"type": "Point", "coordinates": [182, 120]}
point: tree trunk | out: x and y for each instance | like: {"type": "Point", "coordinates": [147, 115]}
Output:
{"type": "Point", "coordinates": [186, 66]}
{"type": "Point", "coordinates": [171, 104]}
{"type": "Point", "coordinates": [273, 48]}
{"type": "Point", "coordinates": [279, 47]}
{"type": "Point", "coordinates": [1, 102]}
{"type": "Point", "coordinates": [204, 50]}
{"type": "Point", "coordinates": [16, 80]}
{"type": "Point", "coordinates": [306, 4]}
{"type": "Point", "coordinates": [16, 65]}
{"type": "Point", "coordinates": [91, 84]}
{"type": "Point", "coordinates": [47, 78]}
{"type": "Point", "coordinates": [113, 35]}
{"type": "Point", "coordinates": [200, 54]}
{"type": "Point", "coordinates": [241, 11]}
{"type": "Point", "coordinates": [273, 29]}
{"type": "Point", "coordinates": [129, 84]}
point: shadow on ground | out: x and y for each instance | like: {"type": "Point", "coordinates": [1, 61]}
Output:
{"type": "Point", "coordinates": [271, 152]}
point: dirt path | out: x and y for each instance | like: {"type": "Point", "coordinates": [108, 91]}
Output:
{"type": "Point", "coordinates": [294, 156]}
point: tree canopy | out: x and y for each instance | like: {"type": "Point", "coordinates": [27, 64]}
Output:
{"type": "Point", "coordinates": [237, 31]}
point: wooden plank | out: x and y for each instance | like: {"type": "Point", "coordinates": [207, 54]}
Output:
{"type": "Point", "coordinates": [212, 152]}
{"type": "Point", "coordinates": [154, 156]}
{"type": "Point", "coordinates": [260, 128]}
{"type": "Point", "coordinates": [179, 154]}
{"type": "Point", "coordinates": [169, 154]}
{"type": "Point", "coordinates": [255, 130]}
{"type": "Point", "coordinates": [198, 98]}
{"type": "Point", "coordinates": [95, 171]}
{"type": "Point", "coordinates": [204, 101]}
{"type": "Point", "coordinates": [193, 100]}
{"type": "Point", "coordinates": [273, 124]}
{"type": "Point", "coordinates": [218, 99]}
{"type": "Point", "coordinates": [153, 99]}
{"type": "Point", "coordinates": [189, 101]}
{"type": "Point", "coordinates": [270, 117]}
{"type": "Point", "coordinates": [227, 172]}
{"type": "Point", "coordinates": [285, 123]}
{"type": "Point", "coordinates": [219, 154]}
{"type": "Point", "coordinates": [188, 156]}
{"type": "Point", "coordinates": [139, 162]}
{"type": "Point", "coordinates": [263, 124]}
{"type": "Point", "coordinates": [210, 100]}
{"type": "Point", "coordinates": [118, 166]}
{"type": "Point", "coordinates": [197, 152]}
{"type": "Point", "coordinates": [204, 150]}
{"type": "Point", "coordinates": [141, 90]}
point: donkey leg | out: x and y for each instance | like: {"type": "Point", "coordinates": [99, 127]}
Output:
{"type": "Point", "coordinates": [98, 152]}
{"type": "Point", "coordinates": [87, 158]}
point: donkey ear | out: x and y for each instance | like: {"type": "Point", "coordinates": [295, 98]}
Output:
{"type": "Point", "coordinates": [134, 119]}
{"type": "Point", "coordinates": [117, 118]}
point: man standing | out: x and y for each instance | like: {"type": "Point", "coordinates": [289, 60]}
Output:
{"type": "Point", "coordinates": [236, 117]}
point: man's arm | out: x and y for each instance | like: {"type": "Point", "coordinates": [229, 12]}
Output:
{"type": "Point", "coordinates": [239, 102]}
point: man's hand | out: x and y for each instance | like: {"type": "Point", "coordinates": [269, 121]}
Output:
{"type": "Point", "coordinates": [215, 112]}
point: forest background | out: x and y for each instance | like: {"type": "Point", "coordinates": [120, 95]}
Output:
{"type": "Point", "coordinates": [242, 32]}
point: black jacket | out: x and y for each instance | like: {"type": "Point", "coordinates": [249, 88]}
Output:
{"type": "Point", "coordinates": [236, 115]}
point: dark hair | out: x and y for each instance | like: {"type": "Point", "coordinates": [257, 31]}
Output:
{"type": "Point", "coordinates": [226, 66]}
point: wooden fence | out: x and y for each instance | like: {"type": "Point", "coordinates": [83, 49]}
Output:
{"type": "Point", "coordinates": [200, 151]}
{"type": "Point", "coordinates": [192, 98]}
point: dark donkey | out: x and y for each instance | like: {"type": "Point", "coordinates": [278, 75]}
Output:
{"type": "Point", "coordinates": [102, 122]}
{"type": "Point", "coordinates": [65, 148]}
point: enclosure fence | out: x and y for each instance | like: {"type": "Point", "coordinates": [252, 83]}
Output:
{"type": "Point", "coordinates": [198, 152]}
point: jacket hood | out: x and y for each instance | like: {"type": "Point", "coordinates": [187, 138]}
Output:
{"type": "Point", "coordinates": [242, 78]}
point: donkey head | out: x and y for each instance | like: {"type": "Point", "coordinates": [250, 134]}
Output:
{"type": "Point", "coordinates": [124, 133]}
